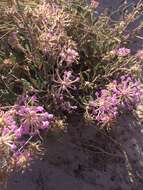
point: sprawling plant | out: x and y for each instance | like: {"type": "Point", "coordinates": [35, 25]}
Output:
{"type": "Point", "coordinates": [72, 60]}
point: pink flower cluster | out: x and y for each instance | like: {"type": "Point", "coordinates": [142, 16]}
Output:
{"type": "Point", "coordinates": [33, 119]}
{"type": "Point", "coordinates": [139, 55]}
{"type": "Point", "coordinates": [18, 125]}
{"type": "Point", "coordinates": [66, 83]}
{"type": "Point", "coordinates": [94, 3]}
{"type": "Point", "coordinates": [69, 55]}
{"type": "Point", "coordinates": [121, 52]}
{"type": "Point", "coordinates": [64, 86]}
{"type": "Point", "coordinates": [118, 95]}
{"type": "Point", "coordinates": [52, 21]}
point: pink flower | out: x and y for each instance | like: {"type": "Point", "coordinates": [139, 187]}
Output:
{"type": "Point", "coordinates": [94, 3]}
{"type": "Point", "coordinates": [128, 92]}
{"type": "Point", "coordinates": [18, 133]}
{"type": "Point", "coordinates": [13, 147]}
{"type": "Point", "coordinates": [139, 54]}
{"type": "Point", "coordinates": [105, 106]}
{"type": "Point", "coordinates": [39, 109]}
{"type": "Point", "coordinates": [45, 124]}
{"type": "Point", "coordinates": [66, 82]}
{"type": "Point", "coordinates": [121, 52]}
{"type": "Point", "coordinates": [33, 119]}
{"type": "Point", "coordinates": [69, 55]}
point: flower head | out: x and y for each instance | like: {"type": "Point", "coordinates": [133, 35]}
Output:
{"type": "Point", "coordinates": [124, 93]}
{"type": "Point", "coordinates": [69, 55]}
{"type": "Point", "coordinates": [139, 54]}
{"type": "Point", "coordinates": [121, 52]}
{"type": "Point", "coordinates": [33, 119]}
{"type": "Point", "coordinates": [128, 91]}
{"type": "Point", "coordinates": [18, 125]}
{"type": "Point", "coordinates": [66, 82]}
{"type": "Point", "coordinates": [94, 3]}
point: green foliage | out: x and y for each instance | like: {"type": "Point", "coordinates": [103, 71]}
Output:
{"type": "Point", "coordinates": [36, 37]}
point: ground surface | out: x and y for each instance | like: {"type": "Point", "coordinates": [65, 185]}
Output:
{"type": "Point", "coordinates": [71, 166]}
{"type": "Point", "coordinates": [67, 165]}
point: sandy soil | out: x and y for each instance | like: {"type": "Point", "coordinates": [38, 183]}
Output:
{"type": "Point", "coordinates": [70, 162]}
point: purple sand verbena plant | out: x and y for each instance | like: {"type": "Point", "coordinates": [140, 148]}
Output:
{"type": "Point", "coordinates": [59, 59]}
